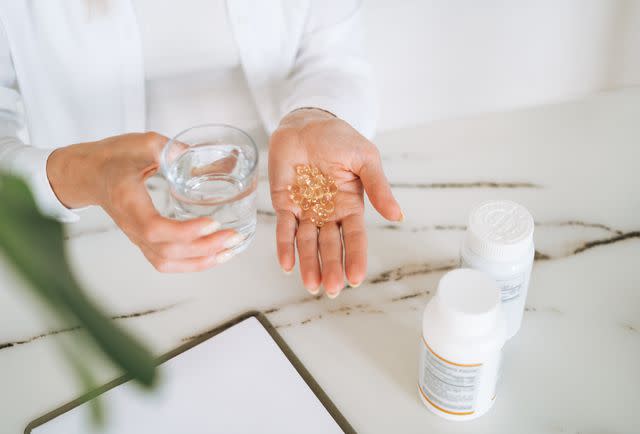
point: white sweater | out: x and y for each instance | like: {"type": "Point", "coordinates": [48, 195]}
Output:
{"type": "Point", "coordinates": [192, 68]}
{"type": "Point", "coordinates": [73, 71]}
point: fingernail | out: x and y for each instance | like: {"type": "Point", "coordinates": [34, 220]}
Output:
{"type": "Point", "coordinates": [355, 285]}
{"type": "Point", "coordinates": [224, 256]}
{"type": "Point", "coordinates": [314, 291]}
{"type": "Point", "coordinates": [209, 228]}
{"type": "Point", "coordinates": [287, 272]}
{"type": "Point", "coordinates": [333, 295]}
{"type": "Point", "coordinates": [401, 216]}
{"type": "Point", "coordinates": [233, 241]}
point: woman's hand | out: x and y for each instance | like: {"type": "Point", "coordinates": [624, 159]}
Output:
{"type": "Point", "coordinates": [315, 137]}
{"type": "Point", "coordinates": [111, 173]}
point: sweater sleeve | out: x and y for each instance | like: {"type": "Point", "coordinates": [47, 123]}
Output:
{"type": "Point", "coordinates": [28, 162]}
{"type": "Point", "coordinates": [330, 70]}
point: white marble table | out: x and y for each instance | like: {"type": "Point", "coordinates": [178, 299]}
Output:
{"type": "Point", "coordinates": [575, 365]}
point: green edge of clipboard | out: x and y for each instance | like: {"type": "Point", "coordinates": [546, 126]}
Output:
{"type": "Point", "coordinates": [196, 340]}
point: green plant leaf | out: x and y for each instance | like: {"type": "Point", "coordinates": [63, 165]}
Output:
{"type": "Point", "coordinates": [34, 244]}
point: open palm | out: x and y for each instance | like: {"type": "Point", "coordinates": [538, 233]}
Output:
{"type": "Point", "coordinates": [339, 247]}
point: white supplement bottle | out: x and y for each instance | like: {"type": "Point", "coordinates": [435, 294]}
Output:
{"type": "Point", "coordinates": [463, 332]}
{"type": "Point", "coordinates": [499, 241]}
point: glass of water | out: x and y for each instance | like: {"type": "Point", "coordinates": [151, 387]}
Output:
{"type": "Point", "coordinates": [212, 171]}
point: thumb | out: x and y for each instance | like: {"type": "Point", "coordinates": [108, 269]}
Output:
{"type": "Point", "coordinates": [377, 187]}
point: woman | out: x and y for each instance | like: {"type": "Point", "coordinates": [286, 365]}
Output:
{"type": "Point", "coordinates": [84, 78]}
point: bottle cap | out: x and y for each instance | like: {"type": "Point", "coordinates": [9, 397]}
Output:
{"type": "Point", "coordinates": [500, 230]}
{"type": "Point", "coordinates": [469, 301]}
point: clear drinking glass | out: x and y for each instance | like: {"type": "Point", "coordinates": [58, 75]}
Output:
{"type": "Point", "coordinates": [212, 171]}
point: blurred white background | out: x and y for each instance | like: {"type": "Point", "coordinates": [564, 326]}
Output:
{"type": "Point", "coordinates": [441, 59]}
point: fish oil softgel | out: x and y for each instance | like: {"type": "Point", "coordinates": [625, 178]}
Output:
{"type": "Point", "coordinates": [314, 192]}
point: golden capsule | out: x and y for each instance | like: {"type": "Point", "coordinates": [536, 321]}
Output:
{"type": "Point", "coordinates": [328, 207]}
{"type": "Point", "coordinates": [308, 193]}
{"type": "Point", "coordinates": [313, 191]}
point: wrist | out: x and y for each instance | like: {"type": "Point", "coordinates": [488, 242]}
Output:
{"type": "Point", "coordinates": [67, 170]}
{"type": "Point", "coordinates": [303, 115]}
{"type": "Point", "coordinates": [314, 111]}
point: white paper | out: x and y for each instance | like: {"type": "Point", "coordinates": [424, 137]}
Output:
{"type": "Point", "coordinates": [236, 382]}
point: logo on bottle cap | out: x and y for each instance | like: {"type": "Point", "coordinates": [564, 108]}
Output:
{"type": "Point", "coordinates": [500, 228]}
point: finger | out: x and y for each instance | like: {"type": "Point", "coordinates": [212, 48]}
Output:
{"type": "Point", "coordinates": [355, 247]}
{"type": "Point", "coordinates": [179, 265]}
{"type": "Point", "coordinates": [147, 151]}
{"type": "Point", "coordinates": [378, 189]}
{"type": "Point", "coordinates": [204, 246]}
{"type": "Point", "coordinates": [138, 215]}
{"type": "Point", "coordinates": [223, 165]}
{"type": "Point", "coordinates": [307, 240]}
{"type": "Point", "coordinates": [285, 235]}
{"type": "Point", "coordinates": [172, 151]}
{"type": "Point", "coordinates": [330, 244]}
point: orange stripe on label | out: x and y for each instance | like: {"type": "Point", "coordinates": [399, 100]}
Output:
{"type": "Point", "coordinates": [472, 365]}
{"type": "Point", "coordinates": [455, 413]}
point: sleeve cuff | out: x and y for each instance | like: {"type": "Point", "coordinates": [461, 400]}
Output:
{"type": "Point", "coordinates": [31, 163]}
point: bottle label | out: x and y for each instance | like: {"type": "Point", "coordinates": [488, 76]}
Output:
{"type": "Point", "coordinates": [510, 287]}
{"type": "Point", "coordinates": [448, 386]}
